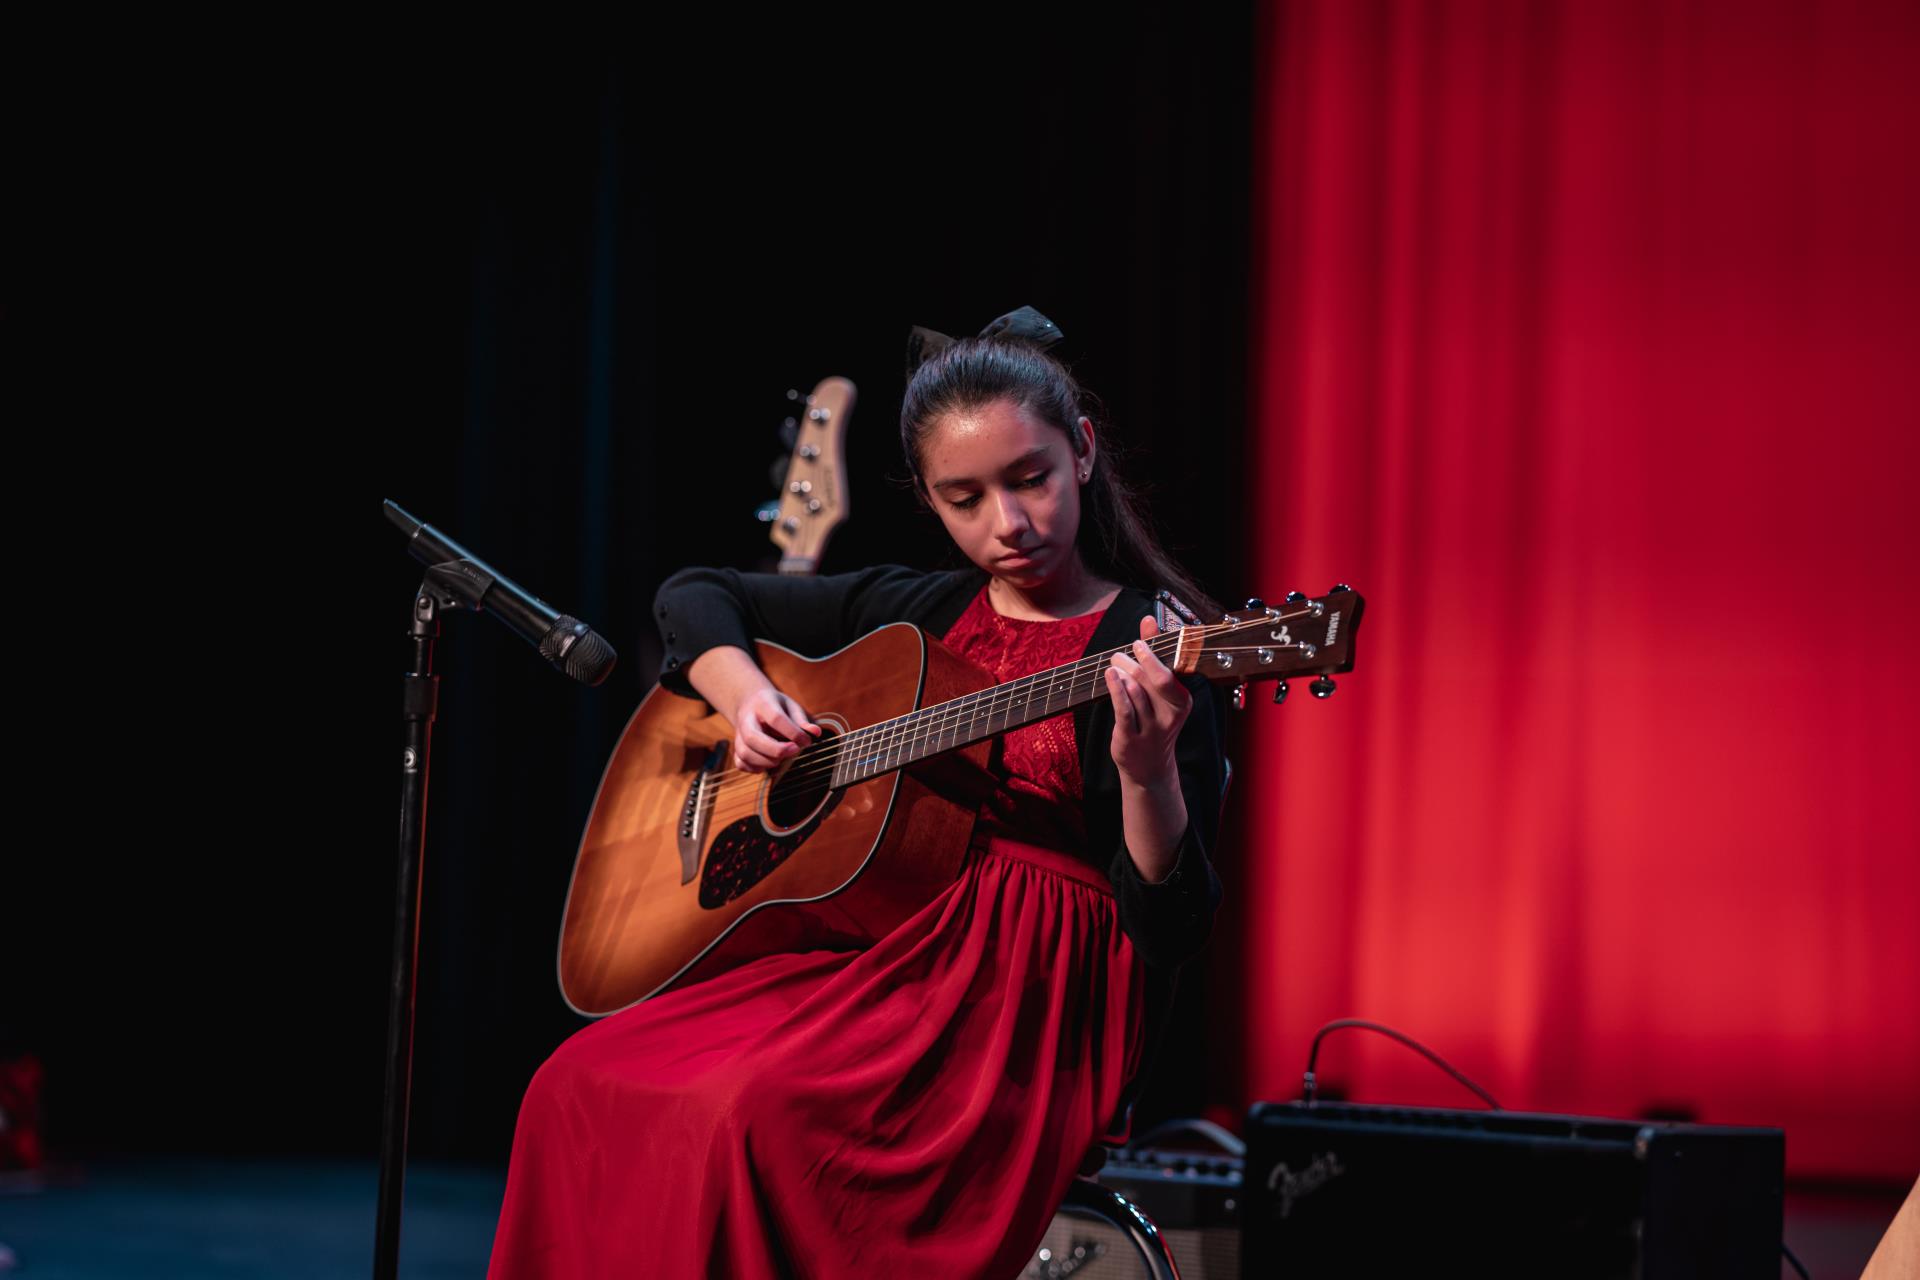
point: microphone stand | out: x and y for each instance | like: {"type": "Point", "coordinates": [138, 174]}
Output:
{"type": "Point", "coordinates": [420, 693]}
{"type": "Point", "coordinates": [454, 580]}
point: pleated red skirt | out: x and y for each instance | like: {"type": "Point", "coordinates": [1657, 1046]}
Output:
{"type": "Point", "coordinates": [917, 1108]}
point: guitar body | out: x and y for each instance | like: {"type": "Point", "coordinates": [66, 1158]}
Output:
{"type": "Point", "coordinates": [675, 874]}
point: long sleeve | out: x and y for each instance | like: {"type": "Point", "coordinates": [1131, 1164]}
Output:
{"type": "Point", "coordinates": [1170, 920]}
{"type": "Point", "coordinates": [698, 609]}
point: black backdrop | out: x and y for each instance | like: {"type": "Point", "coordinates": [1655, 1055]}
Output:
{"type": "Point", "coordinates": [552, 306]}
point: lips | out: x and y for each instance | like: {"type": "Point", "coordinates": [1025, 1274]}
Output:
{"type": "Point", "coordinates": [1019, 561]}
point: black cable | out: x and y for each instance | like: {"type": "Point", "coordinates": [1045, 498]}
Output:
{"type": "Point", "coordinates": [1313, 1056]}
{"type": "Point", "coordinates": [1339, 1023]}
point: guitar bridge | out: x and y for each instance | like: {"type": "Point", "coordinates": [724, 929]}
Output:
{"type": "Point", "coordinates": [694, 814]}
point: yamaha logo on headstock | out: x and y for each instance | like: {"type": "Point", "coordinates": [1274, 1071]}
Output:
{"type": "Point", "coordinates": [1301, 636]}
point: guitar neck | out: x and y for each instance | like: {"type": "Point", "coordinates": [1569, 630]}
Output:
{"type": "Point", "coordinates": [893, 744]}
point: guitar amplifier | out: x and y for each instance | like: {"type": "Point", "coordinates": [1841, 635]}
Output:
{"type": "Point", "coordinates": [1192, 1197]}
{"type": "Point", "coordinates": [1337, 1189]}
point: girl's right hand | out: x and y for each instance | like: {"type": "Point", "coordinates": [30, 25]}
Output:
{"type": "Point", "coordinates": [768, 729]}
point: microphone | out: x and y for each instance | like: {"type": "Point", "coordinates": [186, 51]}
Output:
{"type": "Point", "coordinates": [564, 641]}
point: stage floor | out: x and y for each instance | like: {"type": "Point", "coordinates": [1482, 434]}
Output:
{"type": "Point", "coordinates": [309, 1220]}
{"type": "Point", "coordinates": [225, 1220]}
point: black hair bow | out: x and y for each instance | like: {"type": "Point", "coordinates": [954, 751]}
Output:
{"type": "Point", "coordinates": [1024, 325]}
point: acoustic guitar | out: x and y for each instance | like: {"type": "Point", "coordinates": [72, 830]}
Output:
{"type": "Point", "coordinates": [690, 866]}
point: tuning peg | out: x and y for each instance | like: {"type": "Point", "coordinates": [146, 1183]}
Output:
{"type": "Point", "coordinates": [1256, 604]}
{"type": "Point", "coordinates": [1279, 693]}
{"type": "Point", "coordinates": [768, 512]}
{"type": "Point", "coordinates": [1296, 597]}
{"type": "Point", "coordinates": [1322, 687]}
{"type": "Point", "coordinates": [1339, 587]}
{"type": "Point", "coordinates": [793, 394]}
{"type": "Point", "coordinates": [1240, 696]}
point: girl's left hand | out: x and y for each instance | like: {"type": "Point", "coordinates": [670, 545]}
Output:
{"type": "Point", "coordinates": [1149, 706]}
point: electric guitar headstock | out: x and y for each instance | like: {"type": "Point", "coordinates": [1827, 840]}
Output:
{"type": "Point", "coordinates": [813, 497]}
{"type": "Point", "coordinates": [1300, 636]}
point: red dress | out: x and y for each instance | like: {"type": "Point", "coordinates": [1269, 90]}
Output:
{"type": "Point", "coordinates": [915, 1108]}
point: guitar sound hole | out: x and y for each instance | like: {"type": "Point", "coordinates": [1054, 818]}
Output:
{"type": "Point", "coordinates": [805, 784]}
{"type": "Point", "coordinates": [744, 852]}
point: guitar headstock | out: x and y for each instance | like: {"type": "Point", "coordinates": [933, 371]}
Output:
{"type": "Point", "coordinates": [814, 498]}
{"type": "Point", "coordinates": [1300, 636]}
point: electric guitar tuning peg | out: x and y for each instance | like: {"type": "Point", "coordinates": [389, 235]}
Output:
{"type": "Point", "coordinates": [1240, 696]}
{"type": "Point", "coordinates": [1322, 687]}
{"type": "Point", "coordinates": [1339, 587]}
{"type": "Point", "coordinates": [1256, 604]}
{"type": "Point", "coordinates": [1296, 597]}
{"type": "Point", "coordinates": [1279, 693]}
{"type": "Point", "coordinates": [789, 432]}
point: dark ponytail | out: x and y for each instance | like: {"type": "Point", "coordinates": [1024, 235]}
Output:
{"type": "Point", "coordinates": [1116, 539]}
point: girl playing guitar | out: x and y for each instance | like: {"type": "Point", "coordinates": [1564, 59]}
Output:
{"type": "Point", "coordinates": [917, 1106]}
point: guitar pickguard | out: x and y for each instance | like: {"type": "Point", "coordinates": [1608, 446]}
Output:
{"type": "Point", "coordinates": [745, 853]}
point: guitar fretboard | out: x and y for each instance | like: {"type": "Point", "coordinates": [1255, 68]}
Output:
{"type": "Point", "coordinates": [893, 744]}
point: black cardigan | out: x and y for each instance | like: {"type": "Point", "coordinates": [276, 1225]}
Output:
{"type": "Point", "coordinates": [698, 609]}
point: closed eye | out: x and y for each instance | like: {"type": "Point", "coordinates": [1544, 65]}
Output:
{"type": "Point", "coordinates": [1033, 481]}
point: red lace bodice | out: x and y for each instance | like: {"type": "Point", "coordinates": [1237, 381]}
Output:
{"type": "Point", "coordinates": [1039, 764]}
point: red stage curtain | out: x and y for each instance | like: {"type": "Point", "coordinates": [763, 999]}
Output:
{"type": "Point", "coordinates": [1588, 340]}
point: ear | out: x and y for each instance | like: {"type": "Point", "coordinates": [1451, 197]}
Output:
{"type": "Point", "coordinates": [1084, 449]}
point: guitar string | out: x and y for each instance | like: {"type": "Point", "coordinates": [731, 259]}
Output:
{"type": "Point", "coordinates": [927, 723]}
{"type": "Point", "coordinates": [746, 783]}
{"type": "Point", "coordinates": [920, 728]}
{"type": "Point", "coordinates": [888, 735]}
{"type": "Point", "coordinates": [880, 741]}
{"type": "Point", "coordinates": [981, 705]}
{"type": "Point", "coordinates": [930, 727]}
{"type": "Point", "coordinates": [722, 792]}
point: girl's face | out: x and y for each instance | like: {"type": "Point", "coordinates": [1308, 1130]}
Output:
{"type": "Point", "coordinates": [1007, 486]}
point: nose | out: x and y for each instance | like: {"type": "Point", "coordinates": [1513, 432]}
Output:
{"type": "Point", "coordinates": [1010, 518]}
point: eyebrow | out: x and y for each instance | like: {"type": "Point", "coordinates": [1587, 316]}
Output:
{"type": "Point", "coordinates": [1020, 463]}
